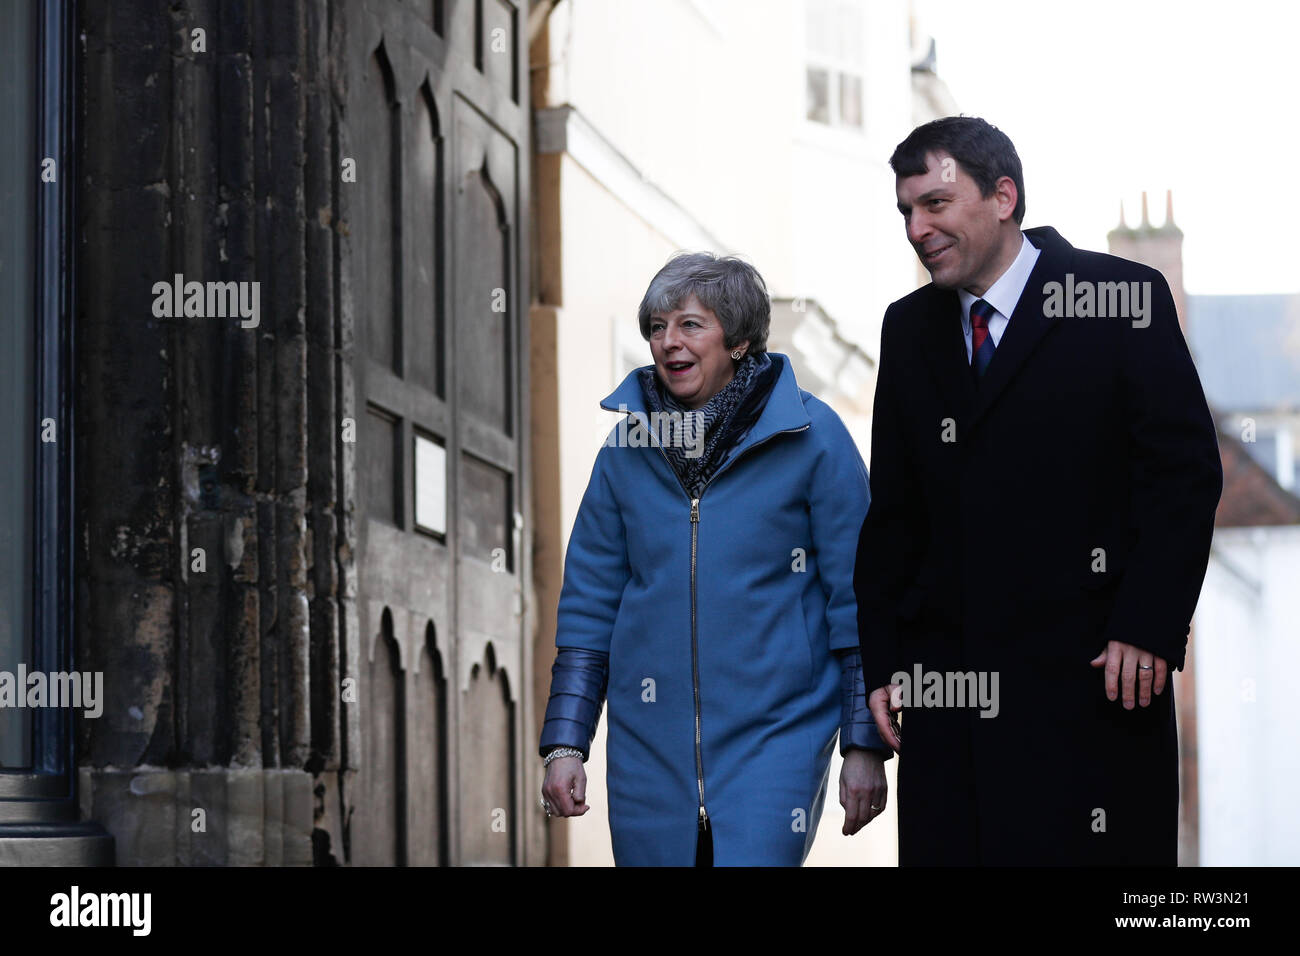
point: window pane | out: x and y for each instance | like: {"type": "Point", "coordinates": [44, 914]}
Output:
{"type": "Point", "coordinates": [849, 33]}
{"type": "Point", "coordinates": [18, 182]}
{"type": "Point", "coordinates": [851, 100]}
{"type": "Point", "coordinates": [819, 32]}
{"type": "Point", "coordinates": [430, 485]}
{"type": "Point", "coordinates": [819, 107]}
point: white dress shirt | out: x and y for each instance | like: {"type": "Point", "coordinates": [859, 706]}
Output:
{"type": "Point", "coordinates": [1002, 295]}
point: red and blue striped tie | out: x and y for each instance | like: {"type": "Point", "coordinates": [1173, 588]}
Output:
{"type": "Point", "coordinates": [981, 342]}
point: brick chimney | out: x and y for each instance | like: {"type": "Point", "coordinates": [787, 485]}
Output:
{"type": "Point", "coordinates": [1160, 247]}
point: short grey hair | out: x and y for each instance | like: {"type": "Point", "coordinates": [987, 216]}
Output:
{"type": "Point", "coordinates": [729, 287]}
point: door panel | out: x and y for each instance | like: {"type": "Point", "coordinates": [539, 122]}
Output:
{"type": "Point", "coordinates": [376, 835]}
{"type": "Point", "coordinates": [432, 268]}
{"type": "Point", "coordinates": [379, 125]}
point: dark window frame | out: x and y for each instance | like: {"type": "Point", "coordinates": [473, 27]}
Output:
{"type": "Point", "coordinates": [50, 775]}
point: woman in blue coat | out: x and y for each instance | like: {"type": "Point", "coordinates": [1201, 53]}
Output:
{"type": "Point", "coordinates": [708, 596]}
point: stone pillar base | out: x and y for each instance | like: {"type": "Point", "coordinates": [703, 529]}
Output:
{"type": "Point", "coordinates": [39, 825]}
{"type": "Point", "coordinates": [55, 844]}
{"type": "Point", "coordinates": [202, 817]}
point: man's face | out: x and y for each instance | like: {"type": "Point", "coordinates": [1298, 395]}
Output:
{"type": "Point", "coordinates": [957, 233]}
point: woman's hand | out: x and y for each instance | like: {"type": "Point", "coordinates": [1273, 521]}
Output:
{"type": "Point", "coordinates": [863, 789]}
{"type": "Point", "coordinates": [565, 787]}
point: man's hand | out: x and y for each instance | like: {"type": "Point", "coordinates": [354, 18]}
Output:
{"type": "Point", "coordinates": [863, 789]}
{"type": "Point", "coordinates": [1128, 666]}
{"type": "Point", "coordinates": [883, 702]}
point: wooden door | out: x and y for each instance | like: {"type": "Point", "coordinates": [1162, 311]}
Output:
{"type": "Point", "coordinates": [436, 120]}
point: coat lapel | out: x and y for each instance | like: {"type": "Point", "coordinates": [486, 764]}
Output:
{"type": "Point", "coordinates": [1027, 326]}
{"type": "Point", "coordinates": [945, 351]}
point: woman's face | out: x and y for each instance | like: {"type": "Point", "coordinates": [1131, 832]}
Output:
{"type": "Point", "coordinates": [691, 357]}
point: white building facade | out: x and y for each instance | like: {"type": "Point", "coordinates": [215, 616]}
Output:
{"type": "Point", "coordinates": [761, 129]}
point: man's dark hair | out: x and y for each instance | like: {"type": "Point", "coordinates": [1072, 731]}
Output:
{"type": "Point", "coordinates": [983, 151]}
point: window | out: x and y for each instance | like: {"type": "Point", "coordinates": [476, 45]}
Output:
{"type": "Point", "coordinates": [18, 178]}
{"type": "Point", "coordinates": [835, 63]}
{"type": "Point", "coordinates": [36, 595]}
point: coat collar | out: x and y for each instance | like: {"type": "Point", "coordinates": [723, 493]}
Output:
{"type": "Point", "coordinates": [945, 345]}
{"type": "Point", "coordinates": [783, 412]}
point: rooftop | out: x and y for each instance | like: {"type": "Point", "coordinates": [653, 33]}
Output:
{"type": "Point", "coordinates": [1247, 350]}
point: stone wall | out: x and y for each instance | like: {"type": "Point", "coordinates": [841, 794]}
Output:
{"type": "Point", "coordinates": [214, 528]}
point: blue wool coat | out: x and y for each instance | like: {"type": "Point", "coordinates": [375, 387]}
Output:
{"type": "Point", "coordinates": [775, 542]}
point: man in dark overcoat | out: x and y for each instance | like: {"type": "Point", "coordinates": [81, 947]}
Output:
{"type": "Point", "coordinates": [1044, 476]}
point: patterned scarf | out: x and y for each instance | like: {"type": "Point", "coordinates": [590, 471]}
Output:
{"type": "Point", "coordinates": [723, 421]}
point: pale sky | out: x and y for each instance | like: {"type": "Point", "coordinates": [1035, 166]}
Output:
{"type": "Point", "coordinates": [1109, 98]}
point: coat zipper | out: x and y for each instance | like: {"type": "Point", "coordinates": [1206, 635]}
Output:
{"type": "Point", "coordinates": [695, 662]}
{"type": "Point", "coordinates": [695, 647]}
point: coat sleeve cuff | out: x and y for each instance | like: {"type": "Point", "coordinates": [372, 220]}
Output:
{"type": "Point", "coordinates": [857, 726]}
{"type": "Point", "coordinates": [579, 679]}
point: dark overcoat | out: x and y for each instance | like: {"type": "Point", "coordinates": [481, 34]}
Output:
{"type": "Point", "coordinates": [1016, 526]}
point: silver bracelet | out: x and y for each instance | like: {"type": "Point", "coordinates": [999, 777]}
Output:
{"type": "Point", "coordinates": [562, 752]}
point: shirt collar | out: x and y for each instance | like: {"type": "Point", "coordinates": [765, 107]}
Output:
{"type": "Point", "coordinates": [1005, 293]}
